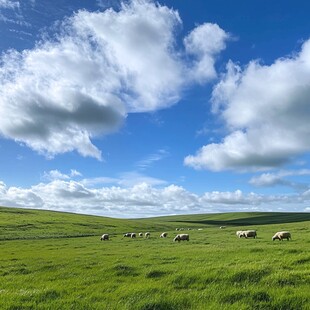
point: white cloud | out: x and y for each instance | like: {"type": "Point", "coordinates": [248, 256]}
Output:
{"type": "Point", "coordinates": [58, 96]}
{"type": "Point", "coordinates": [133, 178]}
{"type": "Point", "coordinates": [151, 159]}
{"type": "Point", "coordinates": [266, 110]}
{"type": "Point", "coordinates": [142, 200]}
{"type": "Point", "coordinates": [19, 197]}
{"type": "Point", "coordinates": [205, 50]}
{"type": "Point", "coordinates": [9, 4]}
{"type": "Point", "coordinates": [125, 179]}
{"type": "Point", "coordinates": [280, 178]}
{"type": "Point", "coordinates": [93, 182]}
{"type": "Point", "coordinates": [75, 173]}
{"type": "Point", "coordinates": [57, 175]}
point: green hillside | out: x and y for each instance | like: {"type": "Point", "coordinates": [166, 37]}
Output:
{"type": "Point", "coordinates": [18, 223]}
{"type": "Point", "coordinates": [38, 224]}
{"type": "Point", "coordinates": [53, 260]}
{"type": "Point", "coordinates": [238, 219]}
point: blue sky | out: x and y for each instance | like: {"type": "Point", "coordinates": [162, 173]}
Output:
{"type": "Point", "coordinates": [142, 108]}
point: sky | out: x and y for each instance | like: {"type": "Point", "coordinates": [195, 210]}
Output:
{"type": "Point", "coordinates": [133, 109]}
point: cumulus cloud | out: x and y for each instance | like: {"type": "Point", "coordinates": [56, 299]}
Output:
{"type": "Point", "coordinates": [142, 200]}
{"type": "Point", "coordinates": [66, 91]}
{"type": "Point", "coordinates": [266, 111]}
{"type": "Point", "coordinates": [205, 50]}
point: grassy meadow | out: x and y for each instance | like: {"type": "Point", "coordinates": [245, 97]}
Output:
{"type": "Point", "coordinates": [52, 260]}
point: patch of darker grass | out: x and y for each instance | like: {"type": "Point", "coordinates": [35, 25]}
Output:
{"type": "Point", "coordinates": [294, 251]}
{"type": "Point", "coordinates": [292, 280]}
{"type": "Point", "coordinates": [125, 270]}
{"type": "Point", "coordinates": [210, 280]}
{"type": "Point", "coordinates": [49, 267]}
{"type": "Point", "coordinates": [22, 306]}
{"type": "Point", "coordinates": [302, 261]}
{"type": "Point", "coordinates": [185, 282]}
{"type": "Point", "coordinates": [154, 274]}
{"type": "Point", "coordinates": [48, 295]}
{"type": "Point", "coordinates": [261, 297]}
{"type": "Point", "coordinates": [16, 271]}
{"type": "Point", "coordinates": [257, 250]}
{"type": "Point", "coordinates": [249, 276]}
{"type": "Point", "coordinates": [292, 303]}
{"type": "Point", "coordinates": [235, 297]}
{"type": "Point", "coordinates": [157, 305]}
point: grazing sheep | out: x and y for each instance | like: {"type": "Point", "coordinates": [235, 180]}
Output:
{"type": "Point", "coordinates": [140, 234]}
{"type": "Point", "coordinates": [248, 234]}
{"type": "Point", "coordinates": [239, 233]}
{"type": "Point", "coordinates": [164, 235]}
{"type": "Point", "coordinates": [147, 235]}
{"type": "Point", "coordinates": [177, 229]}
{"type": "Point", "coordinates": [282, 235]}
{"type": "Point", "coordinates": [222, 227]}
{"type": "Point", "coordinates": [133, 235]}
{"type": "Point", "coordinates": [181, 237]}
{"type": "Point", "coordinates": [104, 237]}
{"type": "Point", "coordinates": [127, 235]}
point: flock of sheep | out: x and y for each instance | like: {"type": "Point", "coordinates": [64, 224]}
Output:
{"type": "Point", "coordinates": [280, 235]}
{"type": "Point", "coordinates": [182, 237]}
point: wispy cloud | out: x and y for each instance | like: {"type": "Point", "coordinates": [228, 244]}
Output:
{"type": "Point", "coordinates": [106, 4]}
{"type": "Point", "coordinates": [151, 159]}
{"type": "Point", "coordinates": [133, 178]}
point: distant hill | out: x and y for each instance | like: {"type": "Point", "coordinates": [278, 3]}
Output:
{"type": "Point", "coordinates": [18, 223]}
{"type": "Point", "coordinates": [238, 219]}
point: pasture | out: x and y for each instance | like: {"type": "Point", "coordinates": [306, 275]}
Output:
{"type": "Point", "coordinates": [53, 260]}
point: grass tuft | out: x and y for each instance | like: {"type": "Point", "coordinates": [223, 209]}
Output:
{"type": "Point", "coordinates": [124, 270]}
{"type": "Point", "coordinates": [233, 298]}
{"type": "Point", "coordinates": [249, 276]}
{"type": "Point", "coordinates": [158, 305]}
{"type": "Point", "coordinates": [155, 274]}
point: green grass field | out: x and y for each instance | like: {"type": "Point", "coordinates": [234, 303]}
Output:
{"type": "Point", "coordinates": [52, 260]}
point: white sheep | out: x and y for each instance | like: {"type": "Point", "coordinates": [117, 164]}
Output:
{"type": "Point", "coordinates": [282, 235]}
{"type": "Point", "coordinates": [181, 237]}
{"type": "Point", "coordinates": [140, 234]}
{"type": "Point", "coordinates": [147, 235]}
{"type": "Point", "coordinates": [239, 233]}
{"type": "Point", "coordinates": [133, 235]}
{"type": "Point", "coordinates": [222, 227]}
{"type": "Point", "coordinates": [104, 237]}
{"type": "Point", "coordinates": [164, 235]}
{"type": "Point", "coordinates": [248, 234]}
{"type": "Point", "coordinates": [127, 235]}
